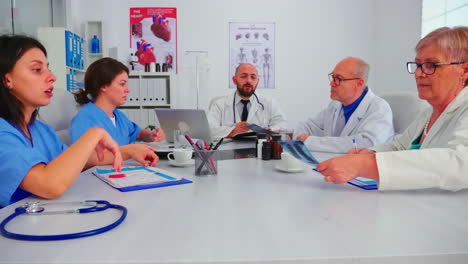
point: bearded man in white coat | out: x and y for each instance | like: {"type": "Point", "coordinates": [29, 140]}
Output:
{"type": "Point", "coordinates": [227, 115]}
{"type": "Point", "coordinates": [355, 118]}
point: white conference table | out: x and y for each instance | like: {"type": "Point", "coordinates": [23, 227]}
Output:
{"type": "Point", "coordinates": [251, 213]}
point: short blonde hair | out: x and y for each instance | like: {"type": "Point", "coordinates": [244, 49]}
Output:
{"type": "Point", "coordinates": [452, 41]}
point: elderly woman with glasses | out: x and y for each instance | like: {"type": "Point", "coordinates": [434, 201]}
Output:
{"type": "Point", "coordinates": [432, 152]}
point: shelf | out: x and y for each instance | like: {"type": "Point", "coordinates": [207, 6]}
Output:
{"type": "Point", "coordinates": [140, 73]}
{"type": "Point", "coordinates": [76, 69]}
{"type": "Point", "coordinates": [91, 28]}
{"type": "Point", "coordinates": [148, 90]}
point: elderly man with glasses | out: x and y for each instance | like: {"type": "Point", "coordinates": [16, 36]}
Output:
{"type": "Point", "coordinates": [355, 118]}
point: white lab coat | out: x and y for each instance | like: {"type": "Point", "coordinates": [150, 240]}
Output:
{"type": "Point", "coordinates": [442, 160]}
{"type": "Point", "coordinates": [370, 124]}
{"type": "Point", "coordinates": [221, 117]}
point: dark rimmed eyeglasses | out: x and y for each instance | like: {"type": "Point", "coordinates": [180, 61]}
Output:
{"type": "Point", "coordinates": [428, 68]}
{"type": "Point", "coordinates": [338, 80]}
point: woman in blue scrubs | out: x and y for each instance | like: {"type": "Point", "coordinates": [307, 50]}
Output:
{"type": "Point", "coordinates": [106, 88]}
{"type": "Point", "coordinates": [32, 158]}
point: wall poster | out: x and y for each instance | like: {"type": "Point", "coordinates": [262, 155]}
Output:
{"type": "Point", "coordinates": [153, 38]}
{"type": "Point", "coordinates": [253, 43]}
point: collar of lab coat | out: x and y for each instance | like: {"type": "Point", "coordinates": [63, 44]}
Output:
{"type": "Point", "coordinates": [358, 114]}
{"type": "Point", "coordinates": [459, 101]}
{"type": "Point", "coordinates": [254, 106]}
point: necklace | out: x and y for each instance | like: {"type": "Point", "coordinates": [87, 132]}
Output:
{"type": "Point", "coordinates": [425, 127]}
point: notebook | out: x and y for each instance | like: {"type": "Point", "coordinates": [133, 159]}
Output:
{"type": "Point", "coordinates": [191, 121]}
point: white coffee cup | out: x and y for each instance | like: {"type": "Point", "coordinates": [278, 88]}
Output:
{"type": "Point", "coordinates": [180, 155]}
{"type": "Point", "coordinates": [289, 162]}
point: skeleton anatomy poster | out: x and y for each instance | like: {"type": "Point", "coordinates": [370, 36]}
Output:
{"type": "Point", "coordinates": [253, 43]}
{"type": "Point", "coordinates": [153, 37]}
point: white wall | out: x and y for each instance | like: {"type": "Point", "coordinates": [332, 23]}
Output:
{"type": "Point", "coordinates": [311, 37]}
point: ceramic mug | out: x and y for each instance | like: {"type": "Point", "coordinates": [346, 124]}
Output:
{"type": "Point", "coordinates": [289, 162]}
{"type": "Point", "coordinates": [180, 156]}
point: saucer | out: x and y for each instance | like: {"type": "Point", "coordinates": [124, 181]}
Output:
{"type": "Point", "coordinates": [299, 169]}
{"type": "Point", "coordinates": [185, 164]}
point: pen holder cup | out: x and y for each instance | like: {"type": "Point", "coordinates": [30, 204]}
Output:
{"type": "Point", "coordinates": [206, 162]}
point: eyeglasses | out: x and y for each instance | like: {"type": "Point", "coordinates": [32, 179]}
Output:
{"type": "Point", "coordinates": [428, 68]}
{"type": "Point", "coordinates": [338, 80]}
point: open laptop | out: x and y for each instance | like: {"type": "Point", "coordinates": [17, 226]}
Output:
{"type": "Point", "coordinates": [191, 121]}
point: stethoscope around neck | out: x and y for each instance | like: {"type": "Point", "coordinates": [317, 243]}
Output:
{"type": "Point", "coordinates": [37, 208]}
{"type": "Point", "coordinates": [234, 106]}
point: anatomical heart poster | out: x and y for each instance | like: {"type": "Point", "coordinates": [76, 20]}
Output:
{"type": "Point", "coordinates": [253, 43]}
{"type": "Point", "coordinates": [153, 38]}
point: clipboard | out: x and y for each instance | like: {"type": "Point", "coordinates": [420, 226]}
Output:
{"type": "Point", "coordinates": [133, 178]}
{"type": "Point", "coordinates": [364, 183]}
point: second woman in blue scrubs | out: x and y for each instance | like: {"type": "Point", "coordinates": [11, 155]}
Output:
{"type": "Point", "coordinates": [106, 88]}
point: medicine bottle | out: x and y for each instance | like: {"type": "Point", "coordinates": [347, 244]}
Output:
{"type": "Point", "coordinates": [261, 137]}
{"type": "Point", "coordinates": [276, 148]}
{"type": "Point", "coordinates": [95, 48]}
{"type": "Point", "coordinates": [266, 150]}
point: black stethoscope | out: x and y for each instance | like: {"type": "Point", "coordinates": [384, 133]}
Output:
{"type": "Point", "coordinates": [36, 208]}
{"type": "Point", "coordinates": [234, 106]}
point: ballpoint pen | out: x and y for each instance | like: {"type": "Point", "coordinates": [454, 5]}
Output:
{"type": "Point", "coordinates": [219, 143]}
{"type": "Point", "coordinates": [190, 140]}
{"type": "Point", "coordinates": [355, 146]}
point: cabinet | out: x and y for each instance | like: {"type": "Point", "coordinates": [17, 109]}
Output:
{"type": "Point", "coordinates": [91, 29]}
{"type": "Point", "coordinates": [148, 90]}
{"type": "Point", "coordinates": [65, 55]}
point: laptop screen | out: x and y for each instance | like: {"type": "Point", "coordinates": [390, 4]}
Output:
{"type": "Point", "coordinates": [189, 121]}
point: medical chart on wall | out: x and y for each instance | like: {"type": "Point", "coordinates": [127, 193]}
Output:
{"type": "Point", "coordinates": [153, 37]}
{"type": "Point", "coordinates": [253, 43]}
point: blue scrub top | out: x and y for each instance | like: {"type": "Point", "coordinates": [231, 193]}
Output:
{"type": "Point", "coordinates": [18, 155]}
{"type": "Point", "coordinates": [90, 115]}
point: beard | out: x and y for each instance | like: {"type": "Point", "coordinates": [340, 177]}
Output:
{"type": "Point", "coordinates": [245, 92]}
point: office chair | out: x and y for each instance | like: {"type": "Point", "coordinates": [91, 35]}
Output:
{"type": "Point", "coordinates": [405, 107]}
{"type": "Point", "coordinates": [59, 113]}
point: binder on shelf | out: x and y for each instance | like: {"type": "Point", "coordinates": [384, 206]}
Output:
{"type": "Point", "coordinates": [69, 48]}
{"type": "Point", "coordinates": [133, 84]}
{"type": "Point", "coordinates": [68, 81]}
{"type": "Point", "coordinates": [133, 178]}
{"type": "Point", "coordinates": [143, 118]}
{"type": "Point", "coordinates": [162, 91]}
{"type": "Point", "coordinates": [151, 92]}
{"type": "Point", "coordinates": [144, 92]}
{"type": "Point", "coordinates": [155, 91]}
{"type": "Point", "coordinates": [76, 54]}
{"type": "Point", "coordinates": [82, 61]}
{"type": "Point", "coordinates": [149, 121]}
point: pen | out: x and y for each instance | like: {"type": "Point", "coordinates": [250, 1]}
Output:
{"type": "Point", "coordinates": [355, 146]}
{"type": "Point", "coordinates": [190, 140]}
{"type": "Point", "coordinates": [219, 143]}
